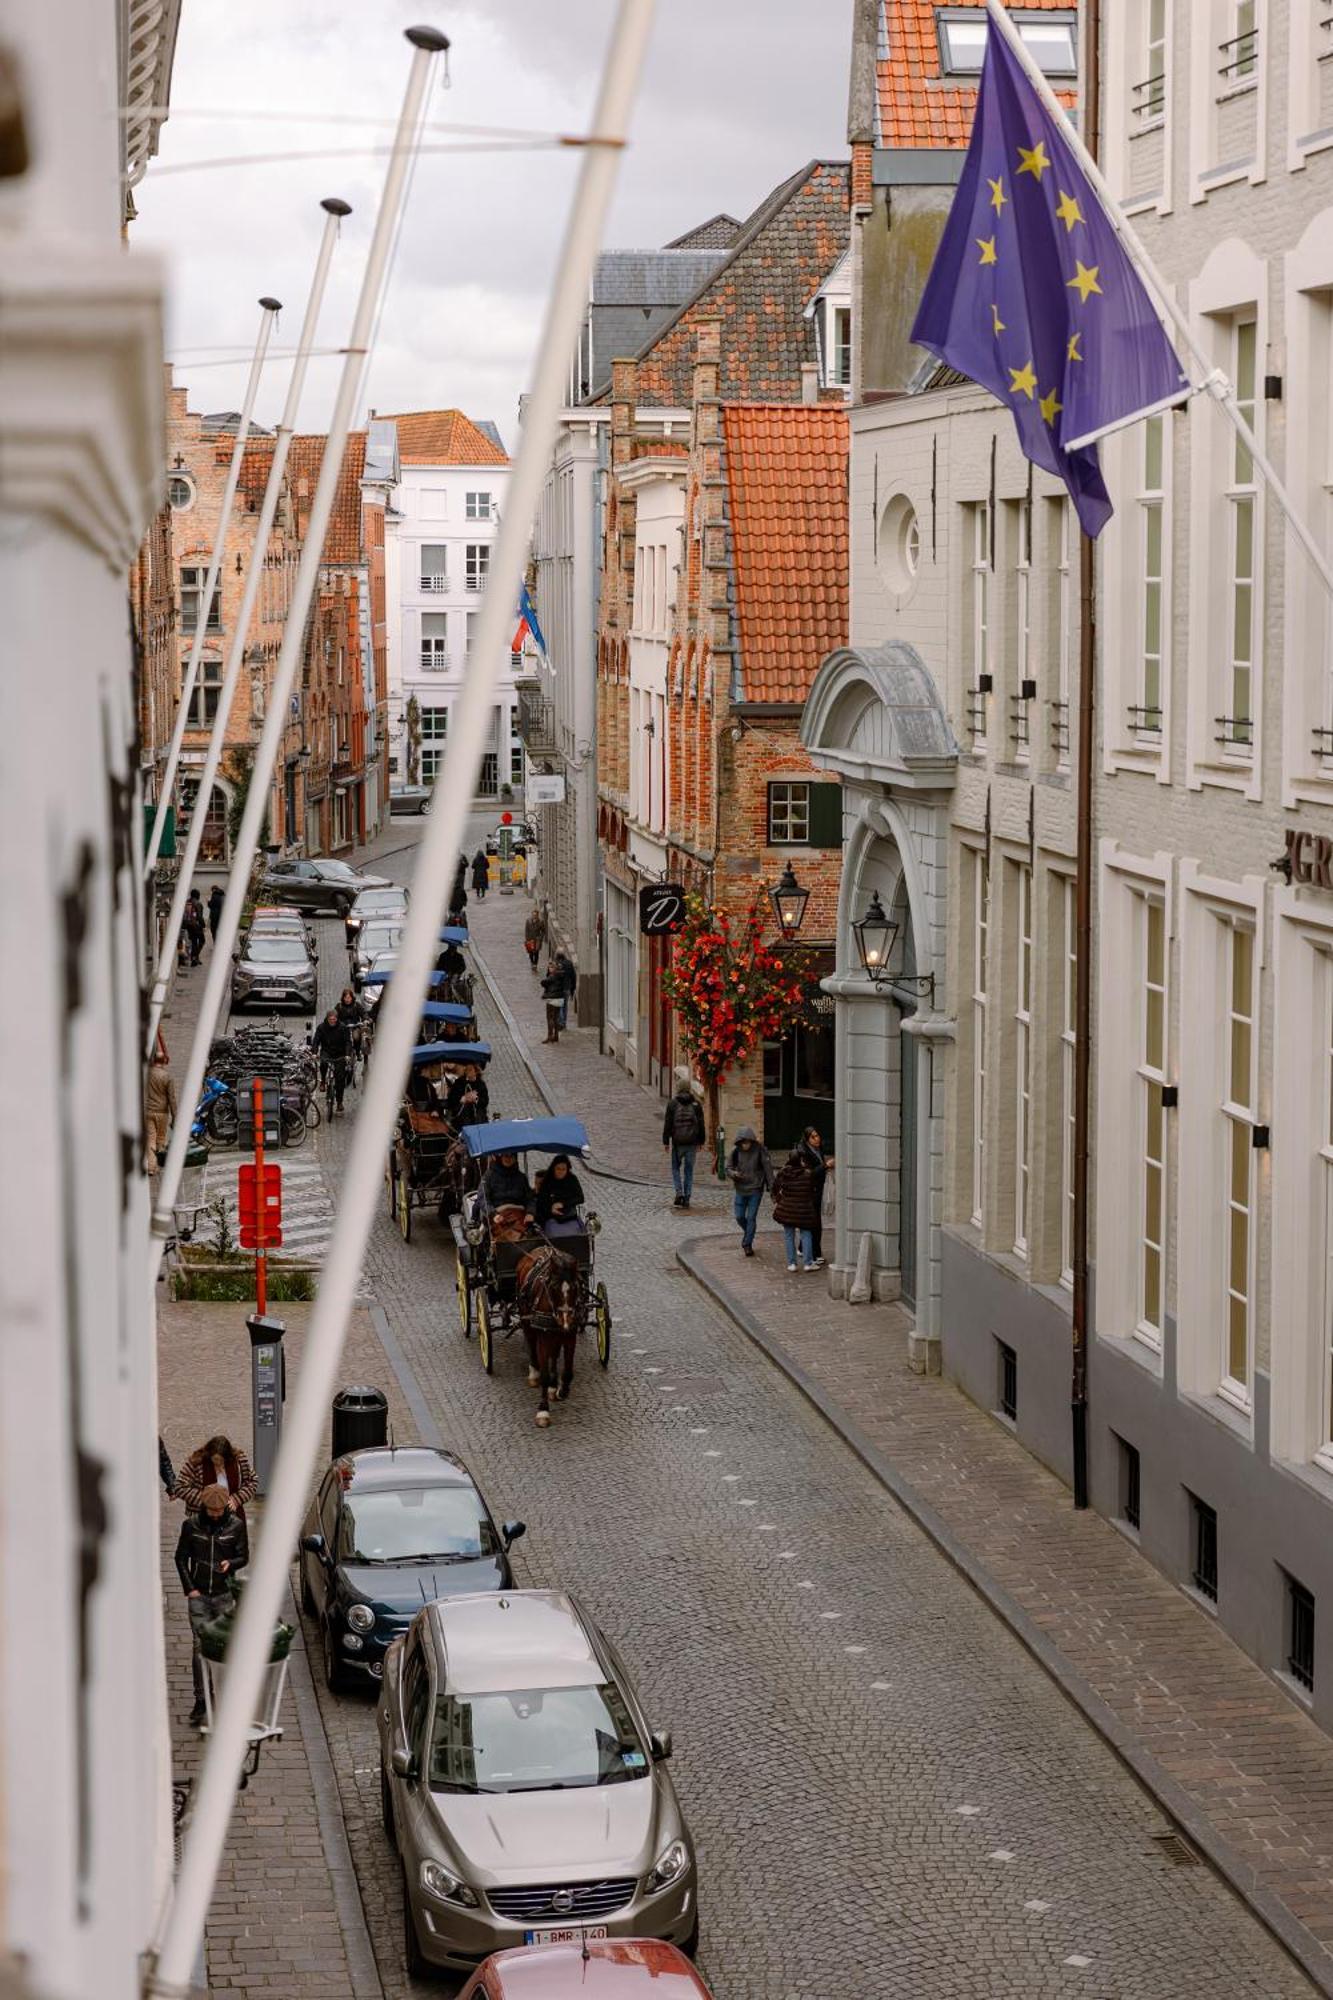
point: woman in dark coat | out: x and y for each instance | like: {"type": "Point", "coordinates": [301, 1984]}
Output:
{"type": "Point", "coordinates": [812, 1151]}
{"type": "Point", "coordinates": [469, 1101]}
{"type": "Point", "coordinates": [481, 875]}
{"type": "Point", "coordinates": [559, 1198]}
{"type": "Point", "coordinates": [795, 1207]}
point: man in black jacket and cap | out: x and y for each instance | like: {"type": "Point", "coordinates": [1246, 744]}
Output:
{"type": "Point", "coordinates": [684, 1131]}
{"type": "Point", "coordinates": [213, 1545]}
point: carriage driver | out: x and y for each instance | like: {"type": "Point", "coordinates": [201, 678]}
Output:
{"type": "Point", "coordinates": [506, 1184]}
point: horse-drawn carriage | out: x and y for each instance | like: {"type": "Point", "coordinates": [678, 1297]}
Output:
{"type": "Point", "coordinates": [511, 1273]}
{"type": "Point", "coordinates": [424, 1167]}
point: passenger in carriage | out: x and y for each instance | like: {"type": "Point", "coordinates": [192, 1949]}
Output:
{"type": "Point", "coordinates": [451, 962]}
{"type": "Point", "coordinates": [555, 1209]}
{"type": "Point", "coordinates": [422, 1093]}
{"type": "Point", "coordinates": [468, 1102]}
{"type": "Point", "coordinates": [506, 1184]}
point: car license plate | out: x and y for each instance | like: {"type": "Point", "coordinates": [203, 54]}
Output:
{"type": "Point", "coordinates": [567, 1934]}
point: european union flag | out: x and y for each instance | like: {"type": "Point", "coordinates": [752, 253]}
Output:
{"type": "Point", "coordinates": [1033, 296]}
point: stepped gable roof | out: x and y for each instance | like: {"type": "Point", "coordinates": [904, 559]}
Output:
{"type": "Point", "coordinates": [443, 437]}
{"type": "Point", "coordinates": [786, 476]}
{"type": "Point", "coordinates": [914, 105]}
{"type": "Point", "coordinates": [343, 542]}
{"type": "Point", "coordinates": [759, 293]}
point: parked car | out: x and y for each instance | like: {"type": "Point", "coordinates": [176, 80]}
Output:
{"type": "Point", "coordinates": [372, 903]}
{"type": "Point", "coordinates": [271, 920]}
{"type": "Point", "coordinates": [525, 1792]}
{"type": "Point", "coordinates": [409, 799]}
{"type": "Point", "coordinates": [274, 970]}
{"type": "Point", "coordinates": [615, 1969]}
{"type": "Point", "coordinates": [389, 1529]}
{"type": "Point", "coordinates": [371, 940]}
{"type": "Point", "coordinates": [323, 886]}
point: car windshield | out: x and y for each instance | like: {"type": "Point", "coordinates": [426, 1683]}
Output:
{"type": "Point", "coordinates": [380, 899]}
{"type": "Point", "coordinates": [415, 1524]}
{"type": "Point", "coordinates": [380, 937]}
{"type": "Point", "coordinates": [536, 1740]}
{"type": "Point", "coordinates": [270, 950]}
{"type": "Point", "coordinates": [335, 871]}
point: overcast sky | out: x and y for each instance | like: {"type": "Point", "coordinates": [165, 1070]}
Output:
{"type": "Point", "coordinates": [737, 95]}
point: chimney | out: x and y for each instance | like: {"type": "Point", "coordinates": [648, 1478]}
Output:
{"type": "Point", "coordinates": [809, 381]}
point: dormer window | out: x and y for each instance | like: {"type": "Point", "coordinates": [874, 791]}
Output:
{"type": "Point", "coordinates": [1051, 38]}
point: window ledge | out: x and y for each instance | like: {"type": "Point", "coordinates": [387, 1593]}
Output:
{"type": "Point", "coordinates": [1224, 1414]}
{"type": "Point", "coordinates": [1313, 1474]}
{"type": "Point", "coordinates": [1248, 88]}
{"type": "Point", "coordinates": [1127, 1529]}
{"type": "Point", "coordinates": [1197, 1598]}
{"type": "Point", "coordinates": [1145, 130]}
{"type": "Point", "coordinates": [1302, 1696]}
{"type": "Point", "coordinates": [1132, 1347]}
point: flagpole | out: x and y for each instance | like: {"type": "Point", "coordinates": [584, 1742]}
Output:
{"type": "Point", "coordinates": [1211, 378]}
{"type": "Point", "coordinates": [270, 310]}
{"type": "Point", "coordinates": [334, 210]}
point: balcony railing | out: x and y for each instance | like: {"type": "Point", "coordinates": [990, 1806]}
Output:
{"type": "Point", "coordinates": [473, 582]}
{"type": "Point", "coordinates": [1144, 721]}
{"type": "Point", "coordinates": [1235, 732]}
{"type": "Point", "coordinates": [1149, 97]}
{"type": "Point", "coordinates": [434, 663]}
{"type": "Point", "coordinates": [434, 581]}
{"type": "Point", "coordinates": [535, 723]}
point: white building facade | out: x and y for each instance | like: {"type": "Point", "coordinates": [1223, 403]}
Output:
{"type": "Point", "coordinates": [1213, 1360]}
{"type": "Point", "coordinates": [442, 519]}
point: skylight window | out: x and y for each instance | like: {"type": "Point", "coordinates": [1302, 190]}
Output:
{"type": "Point", "coordinates": [1051, 38]}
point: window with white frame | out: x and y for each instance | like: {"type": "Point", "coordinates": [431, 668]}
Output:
{"type": "Point", "coordinates": [434, 641]}
{"type": "Point", "coordinates": [978, 695]}
{"type": "Point", "coordinates": [1238, 1108]}
{"type": "Point", "coordinates": [836, 345]}
{"type": "Point", "coordinates": [660, 588]}
{"type": "Point", "coordinates": [1320, 320]}
{"type": "Point", "coordinates": [788, 813]}
{"type": "Point", "coordinates": [434, 732]}
{"type": "Point", "coordinates": [1325, 1171]}
{"type": "Point", "coordinates": [207, 694]}
{"type": "Point", "coordinates": [1240, 50]}
{"type": "Point", "coordinates": [434, 566]}
{"type": "Point", "coordinates": [476, 564]}
{"type": "Point", "coordinates": [1023, 1061]}
{"type": "Point", "coordinates": [1145, 712]}
{"type": "Point", "coordinates": [477, 506]}
{"type": "Point", "coordinates": [980, 978]}
{"type": "Point", "coordinates": [1022, 675]}
{"type": "Point", "coordinates": [1050, 38]}
{"type": "Point", "coordinates": [640, 584]}
{"type": "Point", "coordinates": [1068, 894]}
{"type": "Point", "coordinates": [1149, 93]}
{"type": "Point", "coordinates": [193, 580]}
{"type": "Point", "coordinates": [1060, 623]}
{"type": "Point", "coordinates": [1151, 1204]}
{"type": "Point", "coordinates": [1236, 728]}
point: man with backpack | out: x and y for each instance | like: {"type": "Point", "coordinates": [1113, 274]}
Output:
{"type": "Point", "coordinates": [683, 1131]}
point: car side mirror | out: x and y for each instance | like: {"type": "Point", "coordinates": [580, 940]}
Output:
{"type": "Point", "coordinates": [403, 1763]}
{"type": "Point", "coordinates": [512, 1530]}
{"type": "Point", "coordinates": [661, 1745]}
{"type": "Point", "coordinates": [313, 1544]}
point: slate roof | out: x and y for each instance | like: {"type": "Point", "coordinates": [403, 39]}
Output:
{"type": "Point", "coordinates": [786, 472]}
{"type": "Point", "coordinates": [913, 106]}
{"type": "Point", "coordinates": [443, 437]}
{"type": "Point", "coordinates": [634, 293]}
{"type": "Point", "coordinates": [343, 542]}
{"type": "Point", "coordinates": [718, 233]}
{"type": "Point", "coordinates": [759, 293]}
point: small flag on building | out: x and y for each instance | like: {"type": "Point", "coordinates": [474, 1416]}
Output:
{"type": "Point", "coordinates": [1033, 295]}
{"type": "Point", "coordinates": [527, 622]}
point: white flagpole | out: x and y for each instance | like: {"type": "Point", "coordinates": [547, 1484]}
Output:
{"type": "Point", "coordinates": [1211, 379]}
{"type": "Point", "coordinates": [400, 1014]}
{"type": "Point", "coordinates": [427, 43]}
{"type": "Point", "coordinates": [271, 308]}
{"type": "Point", "coordinates": [334, 210]}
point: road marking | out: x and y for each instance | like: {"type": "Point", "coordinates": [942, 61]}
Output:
{"type": "Point", "coordinates": [712, 1454]}
{"type": "Point", "coordinates": [881, 1687]}
{"type": "Point", "coordinates": [746, 1503]}
{"type": "Point", "coordinates": [967, 1812]}
{"type": "Point", "coordinates": [698, 1430]}
{"type": "Point", "coordinates": [667, 1388]}
{"type": "Point", "coordinates": [1001, 1854]}
{"type": "Point", "coordinates": [786, 1555]}
{"type": "Point", "coordinates": [652, 1371]}
{"type": "Point", "coordinates": [853, 1649]}
{"type": "Point", "coordinates": [1077, 1958]}
{"type": "Point", "coordinates": [805, 1584]}
{"type": "Point", "coordinates": [767, 1527]}
{"type": "Point", "coordinates": [830, 1614]}
{"type": "Point", "coordinates": [1037, 1907]}
{"type": "Point", "coordinates": [732, 1478]}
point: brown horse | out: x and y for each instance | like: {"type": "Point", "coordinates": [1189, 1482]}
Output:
{"type": "Point", "coordinates": [458, 1176]}
{"type": "Point", "coordinates": [551, 1293]}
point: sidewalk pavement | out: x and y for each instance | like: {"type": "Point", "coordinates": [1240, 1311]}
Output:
{"type": "Point", "coordinates": [1233, 1760]}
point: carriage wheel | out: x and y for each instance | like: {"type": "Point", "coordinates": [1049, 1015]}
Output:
{"type": "Point", "coordinates": [464, 1298]}
{"type": "Point", "coordinates": [602, 1306]}
{"type": "Point", "coordinates": [405, 1207]}
{"type": "Point", "coordinates": [485, 1342]}
{"type": "Point", "coordinates": [391, 1182]}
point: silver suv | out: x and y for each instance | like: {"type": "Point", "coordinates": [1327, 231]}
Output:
{"type": "Point", "coordinates": [500, 1717]}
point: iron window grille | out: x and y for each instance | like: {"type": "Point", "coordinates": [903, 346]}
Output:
{"type": "Point", "coordinates": [1019, 732]}
{"type": "Point", "coordinates": [1008, 1381]}
{"type": "Point", "coordinates": [1300, 1633]}
{"type": "Point", "coordinates": [1144, 721]}
{"type": "Point", "coordinates": [1203, 1575]}
{"type": "Point", "coordinates": [976, 707]}
{"type": "Point", "coordinates": [1323, 742]}
{"type": "Point", "coordinates": [1234, 732]}
{"type": "Point", "coordinates": [1240, 56]}
{"type": "Point", "coordinates": [1060, 730]}
{"type": "Point", "coordinates": [1130, 1485]}
{"type": "Point", "coordinates": [1149, 97]}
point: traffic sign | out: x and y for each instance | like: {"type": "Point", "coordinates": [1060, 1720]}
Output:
{"type": "Point", "coordinates": [259, 1205]}
{"type": "Point", "coordinates": [661, 908]}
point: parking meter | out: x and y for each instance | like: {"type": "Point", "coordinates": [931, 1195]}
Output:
{"type": "Point", "coordinates": [267, 1389]}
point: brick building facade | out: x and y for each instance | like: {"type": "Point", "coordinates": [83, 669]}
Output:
{"type": "Point", "coordinates": [337, 721]}
{"type": "Point", "coordinates": [153, 619]}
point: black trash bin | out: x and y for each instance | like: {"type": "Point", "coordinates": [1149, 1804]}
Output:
{"type": "Point", "coordinates": [360, 1418]}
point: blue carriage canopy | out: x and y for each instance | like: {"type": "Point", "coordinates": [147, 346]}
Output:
{"type": "Point", "coordinates": [454, 1052]}
{"type": "Point", "coordinates": [453, 934]}
{"type": "Point", "coordinates": [382, 978]}
{"type": "Point", "coordinates": [445, 1010]}
{"type": "Point", "coordinates": [524, 1135]}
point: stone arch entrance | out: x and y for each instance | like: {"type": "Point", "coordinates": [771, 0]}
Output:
{"type": "Point", "coordinates": [875, 718]}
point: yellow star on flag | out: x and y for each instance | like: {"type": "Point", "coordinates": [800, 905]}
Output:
{"type": "Point", "coordinates": [1068, 210]}
{"type": "Point", "coordinates": [1050, 406]}
{"type": "Point", "coordinates": [997, 324]}
{"type": "Point", "coordinates": [1023, 381]}
{"type": "Point", "coordinates": [1033, 160]}
{"type": "Point", "coordinates": [998, 196]}
{"type": "Point", "coordinates": [987, 246]}
{"type": "Point", "coordinates": [1084, 280]}
{"type": "Point", "coordinates": [1071, 352]}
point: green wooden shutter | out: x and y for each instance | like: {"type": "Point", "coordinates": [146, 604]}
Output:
{"type": "Point", "coordinates": [826, 815]}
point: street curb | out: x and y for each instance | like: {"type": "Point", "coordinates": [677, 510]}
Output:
{"type": "Point", "coordinates": [347, 1904]}
{"type": "Point", "coordinates": [428, 1431]}
{"type": "Point", "coordinates": [1236, 1872]}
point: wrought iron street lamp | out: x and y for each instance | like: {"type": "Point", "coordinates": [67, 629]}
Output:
{"type": "Point", "coordinates": [789, 900]}
{"type": "Point", "coordinates": [875, 937]}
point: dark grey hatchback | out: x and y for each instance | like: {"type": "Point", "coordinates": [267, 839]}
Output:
{"type": "Point", "coordinates": [393, 1528]}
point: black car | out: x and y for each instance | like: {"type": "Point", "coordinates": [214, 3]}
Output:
{"type": "Point", "coordinates": [391, 1529]}
{"type": "Point", "coordinates": [329, 887]}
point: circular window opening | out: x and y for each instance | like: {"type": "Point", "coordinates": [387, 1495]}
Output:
{"type": "Point", "coordinates": [180, 491]}
{"type": "Point", "coordinates": [899, 544]}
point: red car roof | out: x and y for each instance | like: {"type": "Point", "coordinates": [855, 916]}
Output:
{"type": "Point", "coordinates": [616, 1969]}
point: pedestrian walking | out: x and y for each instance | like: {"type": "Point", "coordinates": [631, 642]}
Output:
{"type": "Point", "coordinates": [212, 1547]}
{"type": "Point", "coordinates": [794, 1206]}
{"type": "Point", "coordinates": [812, 1151]}
{"type": "Point", "coordinates": [458, 904]}
{"type": "Point", "coordinates": [570, 980]}
{"type": "Point", "coordinates": [166, 1471]}
{"type": "Point", "coordinates": [553, 993]}
{"type": "Point", "coordinates": [195, 927]}
{"type": "Point", "coordinates": [532, 938]}
{"type": "Point", "coordinates": [218, 1462]}
{"type": "Point", "coordinates": [215, 901]}
{"type": "Point", "coordinates": [481, 874]}
{"type": "Point", "coordinates": [159, 1111]}
{"type": "Point", "coordinates": [750, 1171]}
{"type": "Point", "coordinates": [684, 1131]}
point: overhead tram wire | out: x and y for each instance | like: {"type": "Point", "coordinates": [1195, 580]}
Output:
{"type": "Point", "coordinates": [556, 142]}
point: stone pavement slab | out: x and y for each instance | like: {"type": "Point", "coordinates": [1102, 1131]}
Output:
{"type": "Point", "coordinates": [1230, 1756]}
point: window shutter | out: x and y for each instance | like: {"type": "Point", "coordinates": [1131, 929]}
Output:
{"type": "Point", "coordinates": [826, 815]}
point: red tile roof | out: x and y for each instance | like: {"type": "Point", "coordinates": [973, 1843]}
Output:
{"type": "Point", "coordinates": [913, 106]}
{"type": "Point", "coordinates": [256, 460]}
{"type": "Point", "coordinates": [442, 437]}
{"type": "Point", "coordinates": [342, 543]}
{"type": "Point", "coordinates": [786, 466]}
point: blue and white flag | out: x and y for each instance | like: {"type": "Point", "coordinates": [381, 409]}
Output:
{"type": "Point", "coordinates": [1033, 295]}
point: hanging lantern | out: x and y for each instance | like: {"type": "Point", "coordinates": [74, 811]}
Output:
{"type": "Point", "coordinates": [789, 900]}
{"type": "Point", "coordinates": [875, 936]}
